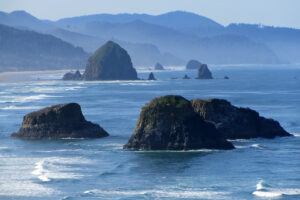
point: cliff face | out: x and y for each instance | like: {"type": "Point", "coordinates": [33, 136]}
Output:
{"type": "Point", "coordinates": [170, 123]}
{"type": "Point", "coordinates": [237, 123]}
{"type": "Point", "coordinates": [59, 121]}
{"type": "Point", "coordinates": [110, 62]}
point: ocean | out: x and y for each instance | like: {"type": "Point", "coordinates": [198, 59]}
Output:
{"type": "Point", "coordinates": [76, 169]}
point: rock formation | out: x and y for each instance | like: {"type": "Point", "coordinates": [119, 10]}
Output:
{"type": "Point", "coordinates": [237, 123]}
{"type": "Point", "coordinates": [170, 123]}
{"type": "Point", "coordinates": [110, 62]}
{"type": "Point", "coordinates": [59, 121]}
{"type": "Point", "coordinates": [193, 64]}
{"type": "Point", "coordinates": [203, 72]}
{"type": "Point", "coordinates": [73, 76]}
{"type": "Point", "coordinates": [151, 77]}
{"type": "Point", "coordinates": [226, 77]}
{"type": "Point", "coordinates": [158, 66]}
{"type": "Point", "coordinates": [186, 77]}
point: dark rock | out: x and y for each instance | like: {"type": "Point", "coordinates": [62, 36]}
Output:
{"type": "Point", "coordinates": [193, 64]}
{"type": "Point", "coordinates": [237, 123]}
{"type": "Point", "coordinates": [151, 77]}
{"type": "Point", "coordinates": [59, 121]}
{"type": "Point", "coordinates": [170, 123]}
{"type": "Point", "coordinates": [203, 72]}
{"type": "Point", "coordinates": [186, 77]}
{"type": "Point", "coordinates": [158, 66]}
{"type": "Point", "coordinates": [226, 77]}
{"type": "Point", "coordinates": [110, 62]}
{"type": "Point", "coordinates": [73, 76]}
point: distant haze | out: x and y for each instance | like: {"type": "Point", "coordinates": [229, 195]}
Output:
{"type": "Point", "coordinates": [283, 13]}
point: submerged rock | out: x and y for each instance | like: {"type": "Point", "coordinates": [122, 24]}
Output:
{"type": "Point", "coordinates": [186, 77]}
{"type": "Point", "coordinates": [203, 72]}
{"type": "Point", "coordinates": [193, 64]}
{"type": "Point", "coordinates": [226, 77]}
{"type": "Point", "coordinates": [237, 123]}
{"type": "Point", "coordinates": [110, 62]}
{"type": "Point", "coordinates": [73, 76]}
{"type": "Point", "coordinates": [158, 66]}
{"type": "Point", "coordinates": [151, 77]}
{"type": "Point", "coordinates": [59, 121]}
{"type": "Point", "coordinates": [170, 123]}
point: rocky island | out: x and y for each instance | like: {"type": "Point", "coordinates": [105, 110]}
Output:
{"type": "Point", "coordinates": [109, 62]}
{"type": "Point", "coordinates": [237, 123]}
{"type": "Point", "coordinates": [72, 76]}
{"type": "Point", "coordinates": [59, 121]}
{"type": "Point", "coordinates": [159, 66]}
{"type": "Point", "coordinates": [170, 123]}
{"type": "Point", "coordinates": [204, 72]}
{"type": "Point", "coordinates": [151, 77]}
{"type": "Point", "coordinates": [193, 64]}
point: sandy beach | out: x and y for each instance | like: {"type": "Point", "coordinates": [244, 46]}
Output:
{"type": "Point", "coordinates": [27, 75]}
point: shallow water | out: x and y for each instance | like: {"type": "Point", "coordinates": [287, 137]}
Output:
{"type": "Point", "coordinates": [100, 169]}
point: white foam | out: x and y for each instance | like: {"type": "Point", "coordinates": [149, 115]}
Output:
{"type": "Point", "coordinates": [296, 134]}
{"type": "Point", "coordinates": [161, 193]}
{"type": "Point", "coordinates": [20, 107]}
{"type": "Point", "coordinates": [267, 194]}
{"type": "Point", "coordinates": [256, 146]}
{"type": "Point", "coordinates": [23, 99]}
{"type": "Point", "coordinates": [41, 172]}
{"type": "Point", "coordinates": [266, 191]}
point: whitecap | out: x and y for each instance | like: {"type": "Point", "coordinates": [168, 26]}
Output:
{"type": "Point", "coordinates": [195, 194]}
{"type": "Point", "coordinates": [296, 134]}
{"type": "Point", "coordinates": [20, 107]}
{"type": "Point", "coordinates": [266, 191]}
{"type": "Point", "coordinates": [41, 172]}
{"type": "Point", "coordinates": [256, 146]}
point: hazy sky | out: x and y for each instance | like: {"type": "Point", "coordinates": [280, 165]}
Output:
{"type": "Point", "coordinates": [267, 12]}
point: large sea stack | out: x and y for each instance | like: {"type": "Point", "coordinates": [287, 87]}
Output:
{"type": "Point", "coordinates": [59, 121]}
{"type": "Point", "coordinates": [110, 62]}
{"type": "Point", "coordinates": [159, 66]}
{"type": "Point", "coordinates": [237, 123]}
{"type": "Point", "coordinates": [193, 64]}
{"type": "Point", "coordinates": [203, 72]}
{"type": "Point", "coordinates": [170, 123]}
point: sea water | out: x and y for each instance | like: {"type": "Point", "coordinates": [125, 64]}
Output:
{"type": "Point", "coordinates": [101, 169]}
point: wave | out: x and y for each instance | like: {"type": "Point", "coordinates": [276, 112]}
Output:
{"type": "Point", "coordinates": [41, 172]}
{"type": "Point", "coordinates": [266, 191]}
{"type": "Point", "coordinates": [20, 107]}
{"type": "Point", "coordinates": [256, 146]}
{"type": "Point", "coordinates": [194, 194]}
{"type": "Point", "coordinates": [296, 134]}
{"type": "Point", "coordinates": [23, 99]}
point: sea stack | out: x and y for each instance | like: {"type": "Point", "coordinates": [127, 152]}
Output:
{"type": "Point", "coordinates": [110, 62]}
{"type": "Point", "coordinates": [158, 66]}
{"type": "Point", "coordinates": [170, 123]}
{"type": "Point", "coordinates": [237, 123]}
{"type": "Point", "coordinates": [59, 121]}
{"type": "Point", "coordinates": [186, 77]}
{"type": "Point", "coordinates": [193, 64]}
{"type": "Point", "coordinates": [151, 77]}
{"type": "Point", "coordinates": [203, 72]}
{"type": "Point", "coordinates": [73, 76]}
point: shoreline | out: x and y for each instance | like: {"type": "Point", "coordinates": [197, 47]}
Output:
{"type": "Point", "coordinates": [17, 76]}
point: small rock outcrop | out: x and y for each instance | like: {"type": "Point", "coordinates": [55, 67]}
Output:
{"type": "Point", "coordinates": [226, 77]}
{"type": "Point", "coordinates": [158, 66]}
{"type": "Point", "coordinates": [110, 62]}
{"type": "Point", "coordinates": [186, 77]}
{"type": "Point", "coordinates": [193, 64]}
{"type": "Point", "coordinates": [151, 77]}
{"type": "Point", "coordinates": [237, 123]}
{"type": "Point", "coordinates": [203, 72]}
{"type": "Point", "coordinates": [170, 123]}
{"type": "Point", "coordinates": [59, 121]}
{"type": "Point", "coordinates": [73, 76]}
